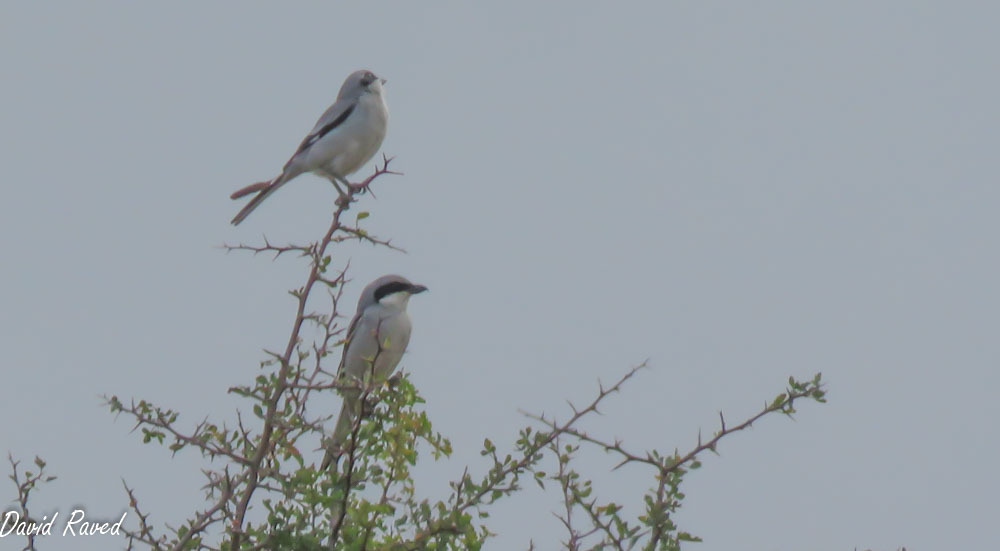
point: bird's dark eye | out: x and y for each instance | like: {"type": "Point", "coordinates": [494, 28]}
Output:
{"type": "Point", "coordinates": [368, 79]}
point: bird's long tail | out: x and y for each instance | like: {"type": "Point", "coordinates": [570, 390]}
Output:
{"type": "Point", "coordinates": [262, 189]}
{"type": "Point", "coordinates": [341, 434]}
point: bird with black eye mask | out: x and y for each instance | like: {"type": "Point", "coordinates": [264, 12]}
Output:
{"type": "Point", "coordinates": [376, 340]}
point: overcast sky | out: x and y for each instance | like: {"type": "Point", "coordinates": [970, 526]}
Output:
{"type": "Point", "coordinates": [736, 191]}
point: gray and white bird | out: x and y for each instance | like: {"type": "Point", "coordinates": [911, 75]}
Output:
{"type": "Point", "coordinates": [376, 341]}
{"type": "Point", "coordinates": [347, 135]}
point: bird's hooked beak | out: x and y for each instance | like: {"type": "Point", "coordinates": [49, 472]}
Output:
{"type": "Point", "coordinates": [416, 289]}
{"type": "Point", "coordinates": [383, 81]}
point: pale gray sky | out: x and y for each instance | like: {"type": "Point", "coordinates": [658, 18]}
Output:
{"type": "Point", "coordinates": [737, 191]}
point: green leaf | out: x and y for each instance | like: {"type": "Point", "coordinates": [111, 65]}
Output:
{"type": "Point", "coordinates": [778, 400]}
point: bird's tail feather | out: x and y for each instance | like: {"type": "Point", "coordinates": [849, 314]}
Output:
{"type": "Point", "coordinates": [263, 190]}
{"type": "Point", "coordinates": [252, 188]}
{"type": "Point", "coordinates": [341, 433]}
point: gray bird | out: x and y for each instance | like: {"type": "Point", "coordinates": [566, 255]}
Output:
{"type": "Point", "coordinates": [347, 135]}
{"type": "Point", "coordinates": [376, 340]}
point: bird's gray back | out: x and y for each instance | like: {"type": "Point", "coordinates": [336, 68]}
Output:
{"type": "Point", "coordinates": [347, 97]}
{"type": "Point", "coordinates": [332, 113]}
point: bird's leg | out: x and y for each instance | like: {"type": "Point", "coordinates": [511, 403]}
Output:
{"type": "Point", "coordinates": [347, 197]}
{"type": "Point", "coordinates": [333, 180]}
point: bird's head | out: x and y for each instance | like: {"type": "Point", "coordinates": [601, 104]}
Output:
{"type": "Point", "coordinates": [361, 82]}
{"type": "Point", "coordinates": [390, 290]}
